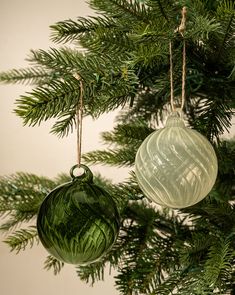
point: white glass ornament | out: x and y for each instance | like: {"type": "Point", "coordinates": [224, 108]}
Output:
{"type": "Point", "coordinates": [176, 166]}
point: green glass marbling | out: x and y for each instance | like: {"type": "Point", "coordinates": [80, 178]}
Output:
{"type": "Point", "coordinates": [78, 222]}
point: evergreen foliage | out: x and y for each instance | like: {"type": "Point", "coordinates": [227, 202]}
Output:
{"type": "Point", "coordinates": [53, 263]}
{"type": "Point", "coordinates": [122, 57]}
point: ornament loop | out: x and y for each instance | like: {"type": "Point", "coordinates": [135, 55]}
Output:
{"type": "Point", "coordinates": [87, 175]}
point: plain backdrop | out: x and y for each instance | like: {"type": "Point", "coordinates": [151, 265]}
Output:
{"type": "Point", "coordinates": [24, 25]}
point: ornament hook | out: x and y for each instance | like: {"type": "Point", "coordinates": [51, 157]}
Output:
{"type": "Point", "coordinates": [87, 174]}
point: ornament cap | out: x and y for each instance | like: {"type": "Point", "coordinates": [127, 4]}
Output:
{"type": "Point", "coordinates": [87, 176]}
{"type": "Point", "coordinates": [175, 120]}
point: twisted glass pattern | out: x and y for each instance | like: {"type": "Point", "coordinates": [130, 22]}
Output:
{"type": "Point", "coordinates": [176, 166]}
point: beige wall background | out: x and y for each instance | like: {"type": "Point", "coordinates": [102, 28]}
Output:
{"type": "Point", "coordinates": [24, 25]}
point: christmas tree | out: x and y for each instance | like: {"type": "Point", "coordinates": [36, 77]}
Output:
{"type": "Point", "coordinates": [125, 63]}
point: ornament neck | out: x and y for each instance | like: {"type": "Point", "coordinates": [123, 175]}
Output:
{"type": "Point", "coordinates": [175, 120]}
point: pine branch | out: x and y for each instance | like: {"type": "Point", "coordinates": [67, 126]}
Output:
{"type": "Point", "coordinates": [65, 123]}
{"type": "Point", "coordinates": [118, 157]}
{"type": "Point", "coordinates": [69, 30]}
{"type": "Point", "coordinates": [132, 133]}
{"type": "Point", "coordinates": [35, 75]}
{"type": "Point", "coordinates": [226, 173]}
{"type": "Point", "coordinates": [214, 117]}
{"type": "Point", "coordinates": [63, 59]}
{"type": "Point", "coordinates": [150, 105]}
{"type": "Point", "coordinates": [21, 194]}
{"type": "Point", "coordinates": [226, 15]}
{"type": "Point", "coordinates": [23, 189]}
{"type": "Point", "coordinates": [124, 192]}
{"type": "Point", "coordinates": [113, 41]}
{"type": "Point", "coordinates": [202, 27]}
{"type": "Point", "coordinates": [92, 273]}
{"type": "Point", "coordinates": [130, 251]}
{"type": "Point", "coordinates": [195, 249]}
{"type": "Point", "coordinates": [148, 251]}
{"type": "Point", "coordinates": [169, 285]}
{"type": "Point", "coordinates": [61, 178]}
{"type": "Point", "coordinates": [92, 68]}
{"type": "Point", "coordinates": [20, 239]}
{"type": "Point", "coordinates": [15, 219]}
{"type": "Point", "coordinates": [48, 101]}
{"type": "Point", "coordinates": [53, 263]}
{"type": "Point", "coordinates": [226, 36]}
{"type": "Point", "coordinates": [153, 54]}
{"type": "Point", "coordinates": [107, 86]}
{"type": "Point", "coordinates": [134, 10]}
{"type": "Point", "coordinates": [161, 8]}
{"type": "Point", "coordinates": [97, 34]}
{"type": "Point", "coordinates": [183, 283]}
{"type": "Point", "coordinates": [218, 266]}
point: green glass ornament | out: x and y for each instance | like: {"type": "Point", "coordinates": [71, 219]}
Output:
{"type": "Point", "coordinates": [78, 222]}
{"type": "Point", "coordinates": [176, 166]}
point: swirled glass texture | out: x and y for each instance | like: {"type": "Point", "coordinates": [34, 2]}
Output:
{"type": "Point", "coordinates": [176, 166]}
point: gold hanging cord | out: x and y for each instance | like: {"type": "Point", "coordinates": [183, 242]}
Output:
{"type": "Point", "coordinates": [181, 30]}
{"type": "Point", "coordinates": [79, 117]}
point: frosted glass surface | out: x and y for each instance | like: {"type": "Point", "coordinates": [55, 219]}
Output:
{"type": "Point", "coordinates": [176, 166]}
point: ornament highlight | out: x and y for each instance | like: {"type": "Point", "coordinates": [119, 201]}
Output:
{"type": "Point", "coordinates": [176, 166]}
{"type": "Point", "coordinates": [78, 222]}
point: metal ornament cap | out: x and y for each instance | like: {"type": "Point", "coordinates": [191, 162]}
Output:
{"type": "Point", "coordinates": [176, 166]}
{"type": "Point", "coordinates": [78, 221]}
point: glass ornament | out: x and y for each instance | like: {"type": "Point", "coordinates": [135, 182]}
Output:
{"type": "Point", "coordinates": [176, 166]}
{"type": "Point", "coordinates": [78, 222]}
